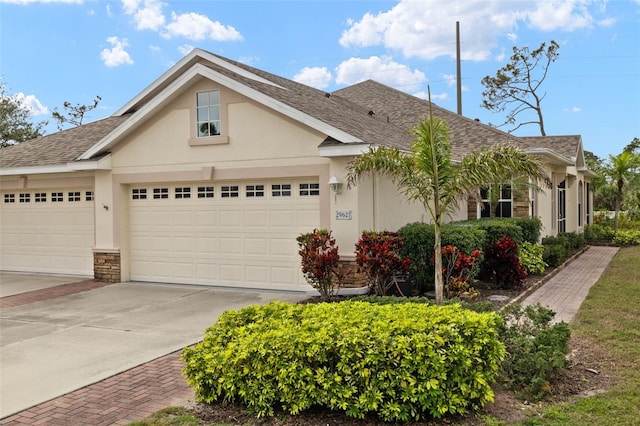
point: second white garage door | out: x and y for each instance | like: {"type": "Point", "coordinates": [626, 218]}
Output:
{"type": "Point", "coordinates": [240, 234]}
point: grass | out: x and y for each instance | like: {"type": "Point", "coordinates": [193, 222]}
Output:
{"type": "Point", "coordinates": [610, 317]}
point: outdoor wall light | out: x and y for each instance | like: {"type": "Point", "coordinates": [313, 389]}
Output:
{"type": "Point", "coordinates": [335, 185]}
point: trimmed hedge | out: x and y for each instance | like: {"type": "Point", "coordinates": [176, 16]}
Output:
{"type": "Point", "coordinates": [407, 363]}
{"type": "Point", "coordinates": [419, 239]}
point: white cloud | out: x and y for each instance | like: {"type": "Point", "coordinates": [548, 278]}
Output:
{"type": "Point", "coordinates": [185, 49]}
{"type": "Point", "coordinates": [32, 103]}
{"type": "Point", "coordinates": [426, 29]}
{"type": "Point", "coordinates": [147, 14]}
{"type": "Point", "coordinates": [607, 22]}
{"type": "Point", "coordinates": [117, 55]}
{"type": "Point", "coordinates": [573, 109]}
{"type": "Point", "coordinates": [567, 15]}
{"type": "Point", "coordinates": [194, 26]}
{"type": "Point", "coordinates": [318, 77]}
{"type": "Point", "coordinates": [382, 69]}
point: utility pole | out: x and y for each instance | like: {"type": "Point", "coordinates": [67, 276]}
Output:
{"type": "Point", "coordinates": [458, 68]}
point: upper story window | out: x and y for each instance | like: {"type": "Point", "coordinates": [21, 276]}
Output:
{"type": "Point", "coordinates": [208, 113]}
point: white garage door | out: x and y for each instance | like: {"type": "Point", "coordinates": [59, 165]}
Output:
{"type": "Point", "coordinates": [47, 231]}
{"type": "Point", "coordinates": [240, 234]}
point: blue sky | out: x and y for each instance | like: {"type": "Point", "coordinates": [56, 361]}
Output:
{"type": "Point", "coordinates": [52, 51]}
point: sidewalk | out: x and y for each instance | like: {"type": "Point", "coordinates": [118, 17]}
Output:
{"type": "Point", "coordinates": [143, 390]}
{"type": "Point", "coordinates": [565, 292]}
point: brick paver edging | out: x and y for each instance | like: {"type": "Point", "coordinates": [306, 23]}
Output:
{"type": "Point", "coordinates": [118, 400]}
{"type": "Point", "coordinates": [49, 293]}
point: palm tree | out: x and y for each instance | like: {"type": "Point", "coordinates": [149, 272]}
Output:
{"type": "Point", "coordinates": [622, 168]}
{"type": "Point", "coordinates": [428, 174]}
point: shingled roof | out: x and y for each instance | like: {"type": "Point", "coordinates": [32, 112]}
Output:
{"type": "Point", "coordinates": [367, 112]}
{"type": "Point", "coordinates": [58, 148]}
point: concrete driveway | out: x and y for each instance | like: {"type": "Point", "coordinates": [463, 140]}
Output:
{"type": "Point", "coordinates": [55, 346]}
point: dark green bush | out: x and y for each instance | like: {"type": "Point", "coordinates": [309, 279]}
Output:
{"type": "Point", "coordinates": [598, 232]}
{"type": "Point", "coordinates": [530, 226]}
{"type": "Point", "coordinates": [558, 248]}
{"type": "Point", "coordinates": [497, 229]}
{"type": "Point", "coordinates": [414, 362]}
{"type": "Point", "coordinates": [536, 349]}
{"type": "Point", "coordinates": [419, 239]}
{"type": "Point", "coordinates": [554, 254]}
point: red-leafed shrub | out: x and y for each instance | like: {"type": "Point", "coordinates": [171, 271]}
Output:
{"type": "Point", "coordinates": [378, 257]}
{"type": "Point", "coordinates": [319, 255]}
{"type": "Point", "coordinates": [501, 263]}
{"type": "Point", "coordinates": [458, 269]}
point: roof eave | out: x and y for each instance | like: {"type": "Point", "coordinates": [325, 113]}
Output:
{"type": "Point", "coordinates": [344, 150]}
{"type": "Point", "coordinates": [553, 157]}
{"type": "Point", "coordinates": [103, 163]}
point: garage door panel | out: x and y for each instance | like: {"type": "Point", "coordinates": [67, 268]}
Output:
{"type": "Point", "coordinates": [256, 246]}
{"type": "Point", "coordinates": [47, 237]}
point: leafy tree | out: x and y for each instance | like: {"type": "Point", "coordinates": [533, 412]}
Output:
{"type": "Point", "coordinates": [622, 168]}
{"type": "Point", "coordinates": [428, 174]}
{"type": "Point", "coordinates": [633, 146]}
{"type": "Point", "coordinates": [74, 114]}
{"type": "Point", "coordinates": [15, 124]}
{"type": "Point", "coordinates": [517, 84]}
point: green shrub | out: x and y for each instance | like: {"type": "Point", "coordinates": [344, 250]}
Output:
{"type": "Point", "coordinates": [558, 248]}
{"type": "Point", "coordinates": [531, 257]}
{"type": "Point", "coordinates": [419, 239]}
{"type": "Point", "coordinates": [598, 232]}
{"type": "Point", "coordinates": [554, 254]}
{"type": "Point", "coordinates": [531, 228]}
{"type": "Point", "coordinates": [497, 229]}
{"type": "Point", "coordinates": [414, 362]}
{"type": "Point", "coordinates": [627, 237]}
{"type": "Point", "coordinates": [536, 349]}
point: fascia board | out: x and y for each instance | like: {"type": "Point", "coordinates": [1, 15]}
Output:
{"type": "Point", "coordinates": [102, 164]}
{"type": "Point", "coordinates": [203, 71]}
{"type": "Point", "coordinates": [346, 150]}
{"type": "Point", "coordinates": [176, 70]}
{"type": "Point", "coordinates": [559, 159]}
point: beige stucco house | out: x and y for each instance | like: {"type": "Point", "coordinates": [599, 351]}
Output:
{"type": "Point", "coordinates": [209, 174]}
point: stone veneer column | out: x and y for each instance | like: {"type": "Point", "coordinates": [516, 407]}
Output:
{"type": "Point", "coordinates": [106, 266]}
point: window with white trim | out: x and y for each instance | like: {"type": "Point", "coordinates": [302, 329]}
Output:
{"type": "Point", "coordinates": [88, 196]}
{"type": "Point", "coordinates": [208, 113]}
{"type": "Point", "coordinates": [504, 207]}
{"type": "Point", "coordinates": [309, 189]}
{"type": "Point", "coordinates": [57, 197]}
{"type": "Point", "coordinates": [205, 192]}
{"type": "Point", "coordinates": [229, 191]}
{"type": "Point", "coordinates": [9, 198]}
{"type": "Point", "coordinates": [74, 196]}
{"type": "Point", "coordinates": [25, 197]}
{"type": "Point", "coordinates": [183, 192]}
{"type": "Point", "coordinates": [255, 191]}
{"type": "Point", "coordinates": [281, 190]}
{"type": "Point", "coordinates": [40, 197]}
{"type": "Point", "coordinates": [139, 193]}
